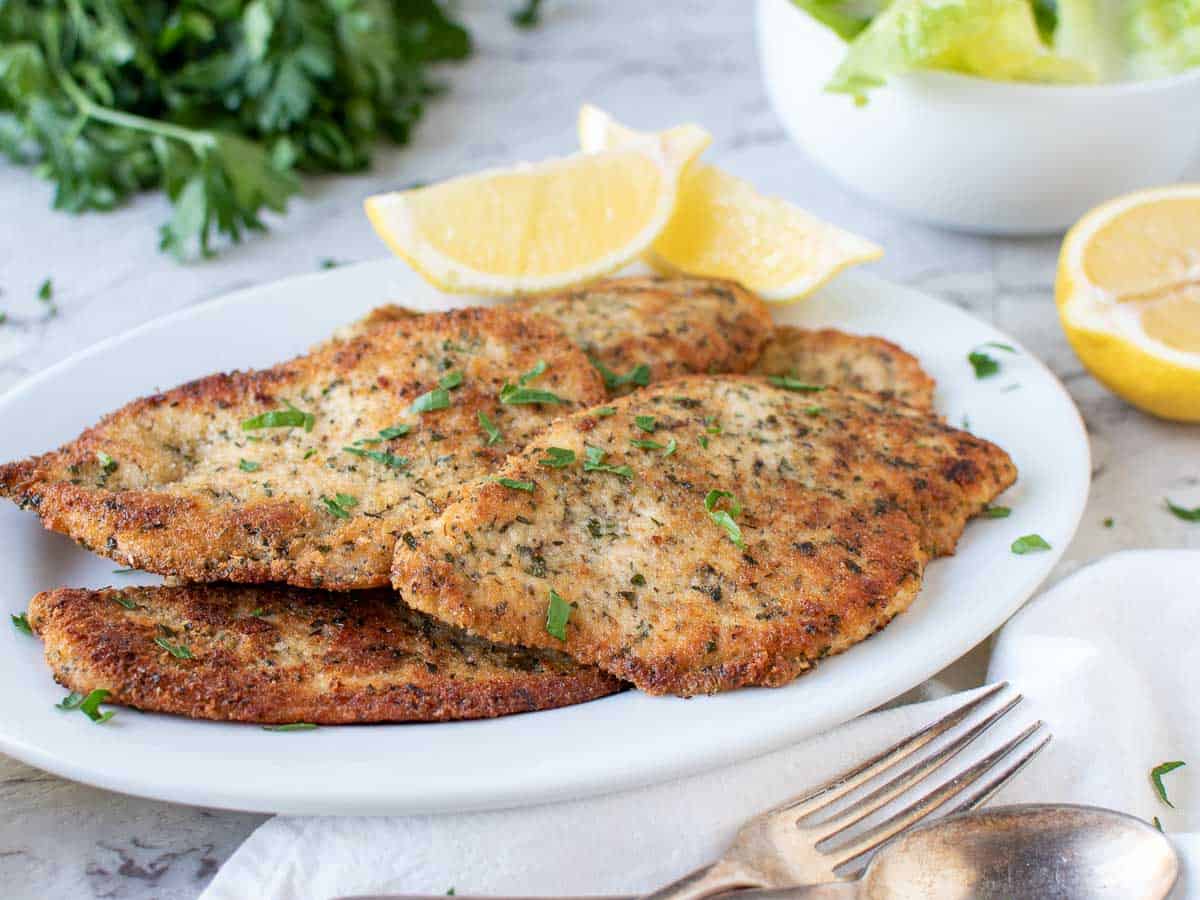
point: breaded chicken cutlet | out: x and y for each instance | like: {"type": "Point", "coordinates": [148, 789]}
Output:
{"type": "Point", "coordinates": [713, 532]}
{"type": "Point", "coordinates": [860, 362]}
{"type": "Point", "coordinates": [309, 472]}
{"type": "Point", "coordinates": [283, 655]}
{"type": "Point", "coordinates": [644, 329]}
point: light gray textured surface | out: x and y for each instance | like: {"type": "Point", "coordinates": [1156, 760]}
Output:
{"type": "Point", "coordinates": [652, 64]}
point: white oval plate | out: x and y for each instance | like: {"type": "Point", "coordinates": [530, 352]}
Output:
{"type": "Point", "coordinates": [619, 742]}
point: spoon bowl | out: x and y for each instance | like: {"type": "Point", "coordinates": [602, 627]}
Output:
{"type": "Point", "coordinates": [1032, 850]}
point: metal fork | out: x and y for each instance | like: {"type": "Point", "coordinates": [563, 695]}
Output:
{"type": "Point", "coordinates": [777, 849]}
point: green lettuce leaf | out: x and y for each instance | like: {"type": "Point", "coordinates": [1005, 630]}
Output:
{"type": "Point", "coordinates": [1163, 37]}
{"type": "Point", "coordinates": [996, 39]}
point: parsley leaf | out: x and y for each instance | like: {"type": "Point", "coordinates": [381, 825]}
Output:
{"type": "Point", "coordinates": [108, 465]}
{"type": "Point", "coordinates": [639, 375]}
{"type": "Point", "coordinates": [593, 461]}
{"type": "Point", "coordinates": [996, 512]}
{"type": "Point", "coordinates": [388, 459]}
{"type": "Point", "coordinates": [46, 291]}
{"type": "Point", "coordinates": [1180, 512]}
{"type": "Point", "coordinates": [646, 423]}
{"type": "Point", "coordinates": [281, 418]}
{"type": "Point", "coordinates": [787, 382]}
{"type": "Point", "coordinates": [340, 505]}
{"type": "Point", "coordinates": [522, 394]}
{"type": "Point", "coordinates": [1029, 543]}
{"type": "Point", "coordinates": [89, 705]}
{"type": "Point", "coordinates": [1109, 522]}
{"type": "Point", "coordinates": [603, 411]}
{"type": "Point", "coordinates": [438, 398]}
{"type": "Point", "coordinates": [179, 651]}
{"type": "Point", "coordinates": [125, 602]}
{"type": "Point", "coordinates": [515, 485]}
{"type": "Point", "coordinates": [494, 435]}
{"type": "Point", "coordinates": [725, 518]}
{"type": "Point", "coordinates": [394, 432]}
{"type": "Point", "coordinates": [528, 16]}
{"type": "Point", "coordinates": [557, 458]}
{"type": "Point", "coordinates": [291, 726]}
{"type": "Point", "coordinates": [451, 380]}
{"type": "Point", "coordinates": [557, 614]}
{"type": "Point", "coordinates": [983, 364]}
{"type": "Point", "coordinates": [248, 466]}
{"type": "Point", "coordinates": [21, 622]}
{"type": "Point", "coordinates": [1156, 775]}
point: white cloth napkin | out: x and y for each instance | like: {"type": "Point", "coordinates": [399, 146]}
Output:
{"type": "Point", "coordinates": [1107, 658]}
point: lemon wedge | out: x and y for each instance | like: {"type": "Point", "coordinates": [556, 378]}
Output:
{"type": "Point", "coordinates": [538, 227]}
{"type": "Point", "coordinates": [723, 228]}
{"type": "Point", "coordinates": [1128, 295]}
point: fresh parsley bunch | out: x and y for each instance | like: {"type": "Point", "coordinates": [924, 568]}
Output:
{"type": "Point", "coordinates": [220, 103]}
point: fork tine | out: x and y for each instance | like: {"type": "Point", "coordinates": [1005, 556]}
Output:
{"type": "Point", "coordinates": [885, 793]}
{"type": "Point", "coordinates": [837, 787]}
{"type": "Point", "coordinates": [989, 790]}
{"type": "Point", "coordinates": [918, 810]}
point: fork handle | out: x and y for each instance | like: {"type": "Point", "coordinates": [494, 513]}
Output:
{"type": "Point", "coordinates": [708, 881]}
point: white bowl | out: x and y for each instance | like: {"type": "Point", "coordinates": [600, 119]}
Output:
{"type": "Point", "coordinates": [967, 153]}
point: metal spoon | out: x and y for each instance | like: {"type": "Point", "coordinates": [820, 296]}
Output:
{"type": "Point", "coordinates": [1028, 851]}
{"type": "Point", "coordinates": [1042, 851]}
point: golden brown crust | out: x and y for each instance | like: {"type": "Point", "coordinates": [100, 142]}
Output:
{"type": "Point", "coordinates": [845, 498]}
{"type": "Point", "coordinates": [181, 502]}
{"type": "Point", "coordinates": [859, 362]}
{"type": "Point", "coordinates": [677, 326]}
{"type": "Point", "coordinates": [277, 655]}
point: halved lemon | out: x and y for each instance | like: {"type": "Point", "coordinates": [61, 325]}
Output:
{"type": "Point", "coordinates": [538, 227]}
{"type": "Point", "coordinates": [723, 228]}
{"type": "Point", "coordinates": [1128, 295]}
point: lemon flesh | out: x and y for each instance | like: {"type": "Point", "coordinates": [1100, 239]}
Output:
{"type": "Point", "coordinates": [723, 228]}
{"type": "Point", "coordinates": [537, 227]}
{"type": "Point", "coordinates": [1128, 294]}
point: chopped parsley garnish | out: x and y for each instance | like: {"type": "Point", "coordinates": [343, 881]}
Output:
{"type": "Point", "coordinates": [46, 291]}
{"type": "Point", "coordinates": [725, 518]}
{"type": "Point", "coordinates": [984, 364]}
{"type": "Point", "coordinates": [996, 512]}
{"type": "Point", "coordinates": [340, 505]}
{"type": "Point", "coordinates": [712, 426]}
{"type": "Point", "coordinates": [394, 432]}
{"type": "Point", "coordinates": [646, 423]}
{"type": "Point", "coordinates": [438, 398]}
{"type": "Point", "coordinates": [638, 579]}
{"type": "Point", "coordinates": [388, 459]}
{"type": "Point", "coordinates": [310, 453]}
{"type": "Point", "coordinates": [1180, 512]}
{"type": "Point", "coordinates": [179, 651]}
{"type": "Point", "coordinates": [125, 602]}
{"type": "Point", "coordinates": [291, 726]}
{"type": "Point", "coordinates": [1108, 522]}
{"type": "Point", "coordinates": [89, 705]}
{"type": "Point", "coordinates": [557, 614]}
{"type": "Point", "coordinates": [557, 458]}
{"type": "Point", "coordinates": [593, 461]}
{"type": "Point", "coordinates": [1156, 775]}
{"type": "Point", "coordinates": [1029, 543]}
{"type": "Point", "coordinates": [329, 263]}
{"type": "Point", "coordinates": [494, 435]}
{"type": "Point", "coordinates": [639, 375]}
{"type": "Point", "coordinates": [281, 418]}
{"type": "Point", "coordinates": [247, 465]}
{"type": "Point", "coordinates": [704, 441]}
{"type": "Point", "coordinates": [258, 613]}
{"type": "Point", "coordinates": [788, 383]}
{"type": "Point", "coordinates": [108, 465]}
{"type": "Point", "coordinates": [813, 410]}
{"type": "Point", "coordinates": [514, 484]}
{"type": "Point", "coordinates": [21, 623]}
{"type": "Point", "coordinates": [605, 411]}
{"type": "Point", "coordinates": [521, 394]}
{"type": "Point", "coordinates": [667, 448]}
{"type": "Point", "coordinates": [528, 16]}
{"type": "Point", "coordinates": [451, 380]}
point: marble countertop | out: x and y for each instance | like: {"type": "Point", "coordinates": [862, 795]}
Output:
{"type": "Point", "coordinates": [516, 99]}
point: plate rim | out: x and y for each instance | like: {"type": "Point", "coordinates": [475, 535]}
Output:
{"type": "Point", "coordinates": [443, 798]}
